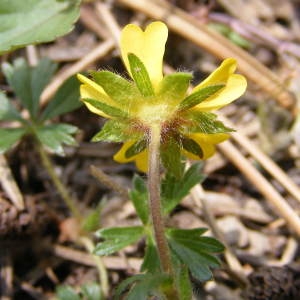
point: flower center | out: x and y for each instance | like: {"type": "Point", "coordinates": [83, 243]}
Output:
{"type": "Point", "coordinates": [154, 113]}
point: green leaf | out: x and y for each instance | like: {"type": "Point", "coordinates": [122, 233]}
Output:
{"type": "Point", "coordinates": [171, 157]}
{"type": "Point", "coordinates": [191, 146]}
{"type": "Point", "coordinates": [92, 291]}
{"type": "Point", "coordinates": [115, 131]}
{"type": "Point", "coordinates": [66, 293]}
{"type": "Point", "coordinates": [151, 262]}
{"type": "Point", "coordinates": [139, 198]}
{"type": "Point", "coordinates": [199, 96]}
{"type": "Point", "coordinates": [192, 239]}
{"type": "Point", "coordinates": [136, 148]}
{"type": "Point", "coordinates": [107, 109]}
{"type": "Point", "coordinates": [29, 82]}
{"type": "Point", "coordinates": [197, 264]}
{"type": "Point", "coordinates": [35, 21]}
{"type": "Point", "coordinates": [205, 122]}
{"type": "Point", "coordinates": [53, 136]}
{"type": "Point", "coordinates": [173, 189]}
{"type": "Point", "coordinates": [65, 100]}
{"type": "Point", "coordinates": [174, 86]}
{"type": "Point", "coordinates": [194, 250]}
{"type": "Point", "coordinates": [119, 89]}
{"type": "Point", "coordinates": [10, 136]}
{"type": "Point", "coordinates": [149, 285]}
{"type": "Point", "coordinates": [91, 221]}
{"type": "Point", "coordinates": [182, 279]}
{"type": "Point", "coordinates": [116, 238]}
{"type": "Point", "coordinates": [140, 75]}
{"type": "Point", "coordinates": [123, 286]}
{"type": "Point", "coordinates": [7, 110]}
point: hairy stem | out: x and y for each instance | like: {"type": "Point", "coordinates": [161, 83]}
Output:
{"type": "Point", "coordinates": [58, 183]}
{"type": "Point", "coordinates": [154, 199]}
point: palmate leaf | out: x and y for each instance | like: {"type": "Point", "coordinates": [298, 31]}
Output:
{"type": "Point", "coordinates": [117, 238]}
{"type": "Point", "coordinates": [35, 21]}
{"type": "Point", "coordinates": [199, 96]}
{"type": "Point", "coordinates": [53, 136]}
{"type": "Point", "coordinates": [195, 251]}
{"type": "Point", "coordinates": [9, 137]}
{"type": "Point", "coordinates": [140, 75]}
{"type": "Point", "coordinates": [29, 82]}
{"type": "Point", "coordinates": [7, 110]}
{"type": "Point", "coordinates": [65, 100]}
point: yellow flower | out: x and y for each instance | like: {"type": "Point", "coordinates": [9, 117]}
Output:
{"type": "Point", "coordinates": [133, 107]}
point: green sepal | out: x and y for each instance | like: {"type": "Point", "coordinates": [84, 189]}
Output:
{"type": "Point", "coordinates": [139, 198]}
{"type": "Point", "coordinates": [107, 109]}
{"type": "Point", "coordinates": [199, 96]}
{"type": "Point", "coordinates": [174, 86]}
{"type": "Point", "coordinates": [53, 136]}
{"type": "Point", "coordinates": [9, 137]}
{"type": "Point", "coordinates": [29, 82]}
{"type": "Point", "coordinates": [170, 152]}
{"type": "Point", "coordinates": [136, 148]}
{"type": "Point", "coordinates": [65, 100]}
{"type": "Point", "coordinates": [140, 75]}
{"type": "Point", "coordinates": [65, 292]}
{"type": "Point", "coordinates": [116, 87]}
{"type": "Point", "coordinates": [192, 147]}
{"type": "Point", "coordinates": [117, 238]}
{"type": "Point", "coordinates": [173, 189]}
{"type": "Point", "coordinates": [195, 251]}
{"type": "Point", "coordinates": [7, 110]}
{"type": "Point", "coordinates": [205, 122]}
{"type": "Point", "coordinates": [151, 262]}
{"type": "Point", "coordinates": [115, 131]}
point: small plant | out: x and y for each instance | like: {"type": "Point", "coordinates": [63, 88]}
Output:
{"type": "Point", "coordinates": [159, 121]}
{"type": "Point", "coordinates": [28, 84]}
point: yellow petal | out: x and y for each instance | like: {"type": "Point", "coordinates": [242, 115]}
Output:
{"type": "Point", "coordinates": [148, 46]}
{"type": "Point", "coordinates": [207, 142]}
{"type": "Point", "coordinates": [235, 86]}
{"type": "Point", "coordinates": [141, 159]}
{"type": "Point", "coordinates": [90, 89]}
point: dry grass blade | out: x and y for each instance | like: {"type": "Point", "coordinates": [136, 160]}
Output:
{"type": "Point", "coordinates": [265, 161]}
{"type": "Point", "coordinates": [260, 182]}
{"type": "Point", "coordinates": [188, 27]}
{"type": "Point", "coordinates": [9, 185]}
